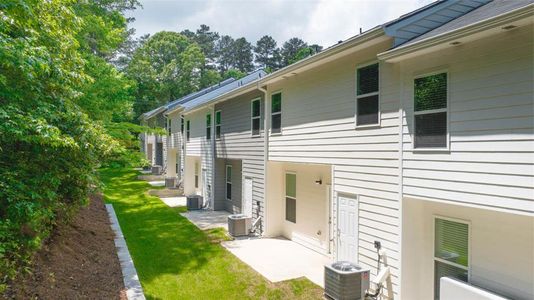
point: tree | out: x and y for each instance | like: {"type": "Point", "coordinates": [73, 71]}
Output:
{"type": "Point", "coordinates": [242, 52]}
{"type": "Point", "coordinates": [290, 49]}
{"type": "Point", "coordinates": [167, 66]}
{"type": "Point", "coordinates": [225, 53]}
{"type": "Point", "coordinates": [206, 39]}
{"type": "Point", "coordinates": [267, 53]}
{"type": "Point", "coordinates": [305, 52]}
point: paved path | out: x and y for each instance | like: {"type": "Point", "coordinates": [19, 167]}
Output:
{"type": "Point", "coordinates": [134, 291]}
{"type": "Point", "coordinates": [208, 219]}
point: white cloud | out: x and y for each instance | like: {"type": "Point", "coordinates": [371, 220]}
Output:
{"type": "Point", "coordinates": [316, 21]}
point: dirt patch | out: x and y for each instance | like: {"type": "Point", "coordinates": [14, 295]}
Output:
{"type": "Point", "coordinates": [78, 262]}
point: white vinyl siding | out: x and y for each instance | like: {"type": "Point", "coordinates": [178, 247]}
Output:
{"type": "Point", "coordinates": [244, 152]}
{"type": "Point", "coordinates": [318, 128]}
{"type": "Point", "coordinates": [491, 157]}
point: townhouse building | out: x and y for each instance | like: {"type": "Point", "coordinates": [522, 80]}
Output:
{"type": "Point", "coordinates": [418, 133]}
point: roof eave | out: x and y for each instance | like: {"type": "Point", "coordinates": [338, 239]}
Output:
{"type": "Point", "coordinates": [403, 52]}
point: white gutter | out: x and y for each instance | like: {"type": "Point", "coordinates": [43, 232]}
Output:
{"type": "Point", "coordinates": [449, 36]}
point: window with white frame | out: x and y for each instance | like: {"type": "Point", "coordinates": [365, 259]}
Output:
{"type": "Point", "coordinates": [208, 127]}
{"type": "Point", "coordinates": [276, 113]}
{"type": "Point", "coordinates": [255, 116]}
{"type": "Point", "coordinates": [169, 131]}
{"type": "Point", "coordinates": [197, 171]}
{"type": "Point", "coordinates": [228, 182]}
{"type": "Point", "coordinates": [291, 197]}
{"type": "Point", "coordinates": [367, 95]}
{"type": "Point", "coordinates": [218, 123]}
{"type": "Point", "coordinates": [182, 124]}
{"type": "Point", "coordinates": [188, 128]}
{"type": "Point", "coordinates": [430, 111]}
{"type": "Point", "coordinates": [451, 251]}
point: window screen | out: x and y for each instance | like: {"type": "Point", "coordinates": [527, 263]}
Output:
{"type": "Point", "coordinates": [188, 135]}
{"type": "Point", "coordinates": [291, 195]}
{"type": "Point", "coordinates": [218, 124]}
{"type": "Point", "coordinates": [451, 251]}
{"type": "Point", "coordinates": [367, 106]}
{"type": "Point", "coordinates": [208, 126]}
{"type": "Point", "coordinates": [430, 111]}
{"type": "Point", "coordinates": [229, 182]}
{"type": "Point", "coordinates": [255, 117]}
{"type": "Point", "coordinates": [276, 113]}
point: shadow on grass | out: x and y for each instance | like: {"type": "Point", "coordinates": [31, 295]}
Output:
{"type": "Point", "coordinates": [175, 259]}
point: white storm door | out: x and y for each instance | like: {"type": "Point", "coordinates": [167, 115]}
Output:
{"type": "Point", "coordinates": [347, 231]}
{"type": "Point", "coordinates": [247, 197]}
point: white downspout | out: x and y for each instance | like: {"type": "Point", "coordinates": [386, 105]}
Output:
{"type": "Point", "coordinates": [266, 125]}
{"type": "Point", "coordinates": [213, 147]}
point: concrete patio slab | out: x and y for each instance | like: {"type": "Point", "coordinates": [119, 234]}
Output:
{"type": "Point", "coordinates": [208, 219]}
{"type": "Point", "coordinates": [279, 259]}
{"type": "Point", "coordinates": [174, 201]}
{"type": "Point", "coordinates": [157, 183]}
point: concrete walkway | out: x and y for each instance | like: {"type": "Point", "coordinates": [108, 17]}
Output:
{"type": "Point", "coordinates": [279, 259]}
{"type": "Point", "coordinates": [134, 291]}
{"type": "Point", "coordinates": [157, 183]}
{"type": "Point", "coordinates": [208, 219]}
{"type": "Point", "coordinates": [174, 201]}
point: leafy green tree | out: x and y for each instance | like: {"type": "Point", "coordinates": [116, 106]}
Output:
{"type": "Point", "coordinates": [167, 66]}
{"type": "Point", "coordinates": [305, 52]}
{"type": "Point", "coordinates": [225, 53]}
{"type": "Point", "coordinates": [242, 53]}
{"type": "Point", "coordinates": [290, 49]}
{"type": "Point", "coordinates": [233, 73]}
{"type": "Point", "coordinates": [267, 54]}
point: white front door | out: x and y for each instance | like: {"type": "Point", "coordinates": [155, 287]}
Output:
{"type": "Point", "coordinates": [247, 197]}
{"type": "Point", "coordinates": [347, 231]}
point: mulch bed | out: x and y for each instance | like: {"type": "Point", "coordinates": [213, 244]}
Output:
{"type": "Point", "coordinates": [78, 262]}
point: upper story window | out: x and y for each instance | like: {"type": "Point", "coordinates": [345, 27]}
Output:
{"type": "Point", "coordinates": [276, 113]}
{"type": "Point", "coordinates": [218, 123]}
{"type": "Point", "coordinates": [188, 128]}
{"type": "Point", "coordinates": [182, 124]}
{"type": "Point", "coordinates": [451, 251]}
{"type": "Point", "coordinates": [255, 116]}
{"type": "Point", "coordinates": [430, 111]}
{"type": "Point", "coordinates": [208, 126]}
{"type": "Point", "coordinates": [367, 102]}
{"type": "Point", "coordinates": [169, 127]}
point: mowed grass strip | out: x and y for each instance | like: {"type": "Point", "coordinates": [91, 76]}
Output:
{"type": "Point", "coordinates": [176, 260]}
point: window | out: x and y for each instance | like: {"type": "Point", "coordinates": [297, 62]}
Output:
{"type": "Point", "coordinates": [276, 113]}
{"type": "Point", "coordinates": [218, 124]}
{"type": "Point", "coordinates": [255, 116]}
{"type": "Point", "coordinates": [188, 127]}
{"type": "Point", "coordinates": [291, 197]}
{"type": "Point", "coordinates": [367, 103]}
{"type": "Point", "coordinates": [197, 170]}
{"type": "Point", "coordinates": [451, 251]}
{"type": "Point", "coordinates": [228, 182]}
{"type": "Point", "coordinates": [182, 124]}
{"type": "Point", "coordinates": [169, 126]}
{"type": "Point", "coordinates": [430, 111]}
{"type": "Point", "coordinates": [208, 126]}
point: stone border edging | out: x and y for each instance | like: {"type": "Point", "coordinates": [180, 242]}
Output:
{"type": "Point", "coordinates": [134, 291]}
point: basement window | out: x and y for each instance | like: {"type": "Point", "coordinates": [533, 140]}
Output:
{"type": "Point", "coordinates": [430, 112]}
{"type": "Point", "coordinates": [255, 116]}
{"type": "Point", "coordinates": [188, 127]}
{"type": "Point", "coordinates": [228, 182]}
{"type": "Point", "coordinates": [276, 113]}
{"type": "Point", "coordinates": [291, 197]}
{"type": "Point", "coordinates": [367, 96]}
{"type": "Point", "coordinates": [208, 127]}
{"type": "Point", "coordinates": [451, 251]}
{"type": "Point", "coordinates": [218, 124]}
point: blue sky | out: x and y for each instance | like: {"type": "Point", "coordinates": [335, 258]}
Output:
{"type": "Point", "coordinates": [316, 21]}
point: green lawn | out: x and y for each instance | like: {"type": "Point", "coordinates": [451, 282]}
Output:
{"type": "Point", "coordinates": [176, 260]}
